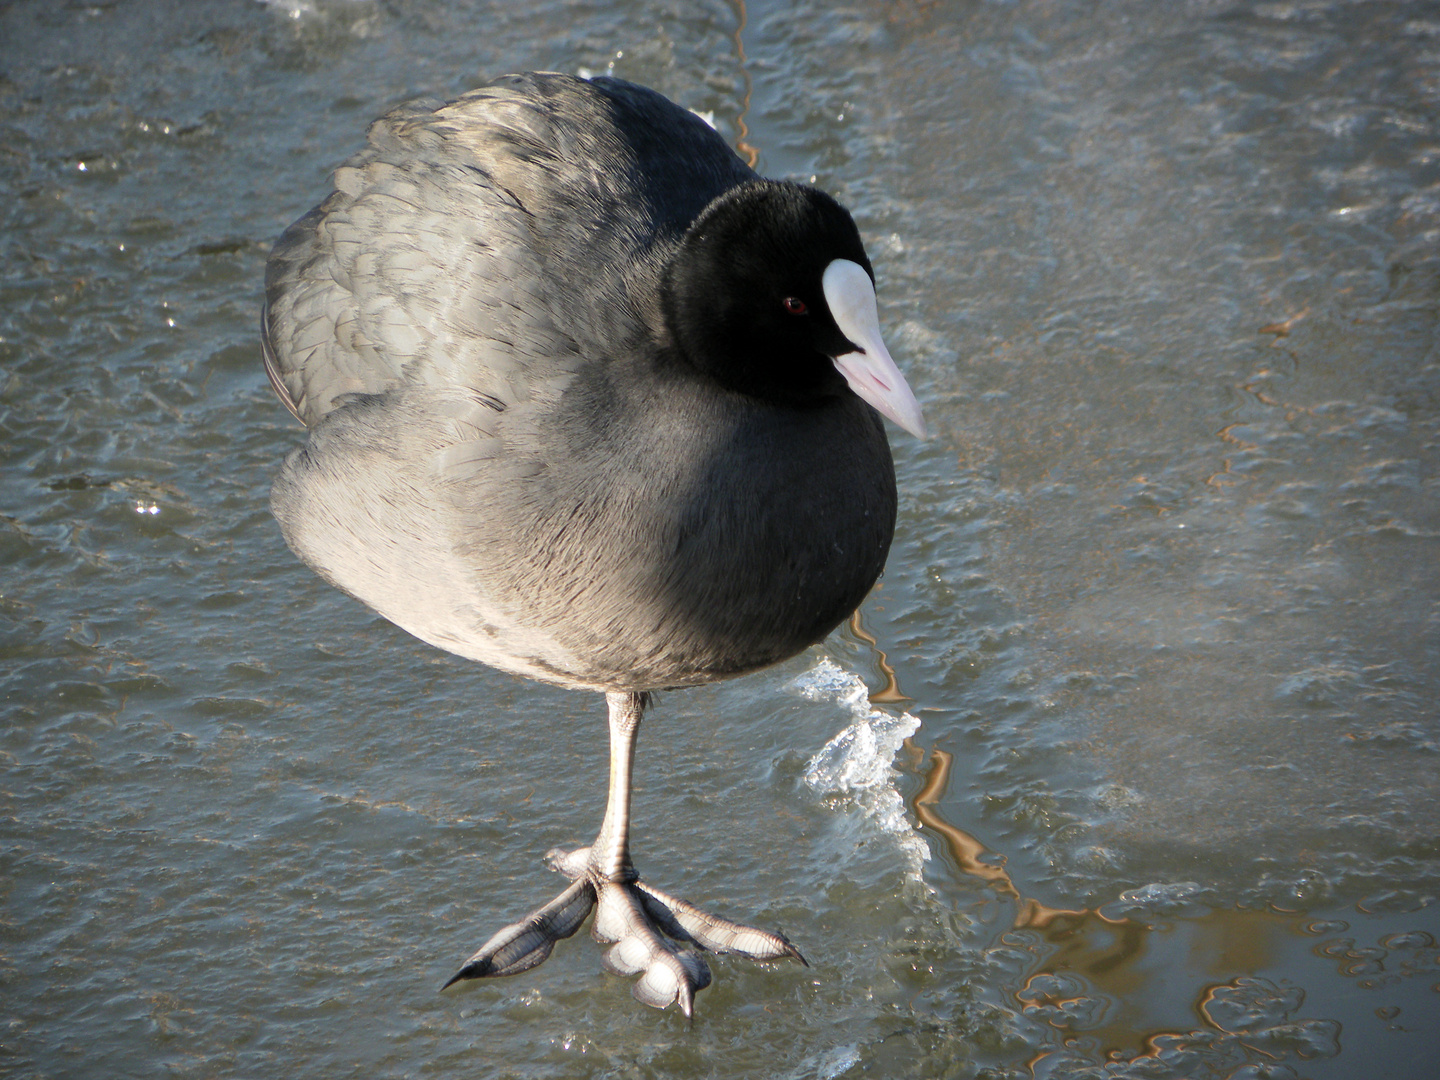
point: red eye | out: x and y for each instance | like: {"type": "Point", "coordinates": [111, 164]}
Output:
{"type": "Point", "coordinates": [794, 305]}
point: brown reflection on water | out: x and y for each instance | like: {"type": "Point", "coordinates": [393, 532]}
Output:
{"type": "Point", "coordinates": [751, 153]}
{"type": "Point", "coordinates": [971, 855]}
{"type": "Point", "coordinates": [891, 692]}
{"type": "Point", "coordinates": [1160, 980]}
{"type": "Point", "coordinates": [1125, 984]}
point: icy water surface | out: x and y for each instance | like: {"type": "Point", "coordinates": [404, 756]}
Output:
{"type": "Point", "coordinates": [1145, 783]}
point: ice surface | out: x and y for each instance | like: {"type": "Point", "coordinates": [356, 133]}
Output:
{"type": "Point", "coordinates": [1165, 583]}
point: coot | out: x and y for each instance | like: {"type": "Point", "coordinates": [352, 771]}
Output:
{"type": "Point", "coordinates": [589, 401]}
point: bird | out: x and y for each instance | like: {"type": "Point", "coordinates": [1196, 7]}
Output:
{"type": "Point", "coordinates": [591, 402]}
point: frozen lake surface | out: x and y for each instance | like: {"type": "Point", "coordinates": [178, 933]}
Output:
{"type": "Point", "coordinates": [1147, 779]}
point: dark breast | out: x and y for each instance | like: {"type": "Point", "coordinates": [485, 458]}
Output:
{"type": "Point", "coordinates": [694, 535]}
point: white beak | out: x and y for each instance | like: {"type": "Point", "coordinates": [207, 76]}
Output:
{"type": "Point", "coordinates": [869, 370]}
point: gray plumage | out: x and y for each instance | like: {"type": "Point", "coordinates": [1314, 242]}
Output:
{"type": "Point", "coordinates": [497, 462]}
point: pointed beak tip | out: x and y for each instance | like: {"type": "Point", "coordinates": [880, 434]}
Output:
{"type": "Point", "coordinates": [881, 385]}
{"type": "Point", "coordinates": [912, 420]}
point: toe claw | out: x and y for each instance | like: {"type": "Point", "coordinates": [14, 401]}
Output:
{"type": "Point", "coordinates": [683, 921]}
{"type": "Point", "coordinates": [671, 977]}
{"type": "Point", "coordinates": [521, 945]}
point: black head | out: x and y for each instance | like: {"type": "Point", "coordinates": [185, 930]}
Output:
{"type": "Point", "coordinates": [743, 295]}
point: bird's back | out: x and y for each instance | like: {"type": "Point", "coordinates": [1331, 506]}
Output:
{"type": "Point", "coordinates": [465, 227]}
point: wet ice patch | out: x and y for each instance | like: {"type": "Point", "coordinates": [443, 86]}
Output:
{"type": "Point", "coordinates": [294, 8]}
{"type": "Point", "coordinates": [1175, 899]}
{"type": "Point", "coordinates": [827, 1064]}
{"type": "Point", "coordinates": [858, 764]}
